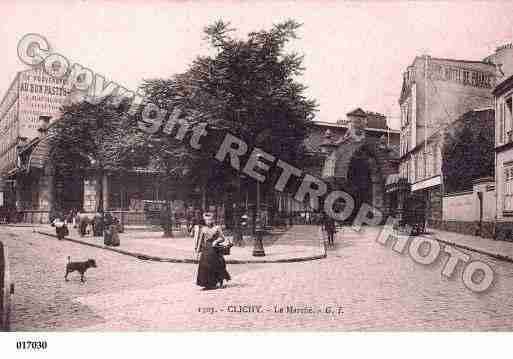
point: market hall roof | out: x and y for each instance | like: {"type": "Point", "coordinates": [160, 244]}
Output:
{"type": "Point", "coordinates": [317, 130]}
{"type": "Point", "coordinates": [357, 113]}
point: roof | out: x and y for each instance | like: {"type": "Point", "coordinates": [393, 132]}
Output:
{"type": "Point", "coordinates": [503, 86]}
{"type": "Point", "coordinates": [317, 131]}
{"type": "Point", "coordinates": [376, 120]}
{"type": "Point", "coordinates": [462, 61]}
{"type": "Point", "coordinates": [40, 155]}
{"type": "Point", "coordinates": [316, 135]}
{"type": "Point", "coordinates": [357, 113]}
{"type": "Point", "coordinates": [394, 182]}
{"type": "Point", "coordinates": [444, 59]}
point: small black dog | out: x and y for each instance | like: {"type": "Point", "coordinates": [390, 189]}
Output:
{"type": "Point", "coordinates": [80, 267]}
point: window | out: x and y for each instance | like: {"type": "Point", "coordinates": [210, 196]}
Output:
{"type": "Point", "coordinates": [403, 116]}
{"type": "Point", "coordinates": [466, 75]}
{"type": "Point", "coordinates": [404, 145]}
{"type": "Point", "coordinates": [420, 165]}
{"type": "Point", "coordinates": [329, 166]}
{"type": "Point", "coordinates": [408, 115]}
{"type": "Point", "coordinates": [500, 115]}
{"type": "Point", "coordinates": [415, 165]}
{"type": "Point", "coordinates": [474, 78]}
{"type": "Point", "coordinates": [411, 171]}
{"type": "Point", "coordinates": [508, 113]}
{"type": "Point", "coordinates": [429, 161]}
{"type": "Point", "coordinates": [447, 73]}
{"type": "Point", "coordinates": [435, 160]}
{"type": "Point", "coordinates": [508, 188]}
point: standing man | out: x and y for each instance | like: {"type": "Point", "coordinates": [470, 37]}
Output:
{"type": "Point", "coordinates": [166, 220]}
{"type": "Point", "coordinates": [330, 227]}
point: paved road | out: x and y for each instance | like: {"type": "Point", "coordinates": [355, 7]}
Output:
{"type": "Point", "coordinates": [377, 288]}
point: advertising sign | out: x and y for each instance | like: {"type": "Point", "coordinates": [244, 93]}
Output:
{"type": "Point", "coordinates": [40, 95]}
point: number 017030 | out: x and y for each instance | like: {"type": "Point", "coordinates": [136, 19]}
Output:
{"type": "Point", "coordinates": [31, 345]}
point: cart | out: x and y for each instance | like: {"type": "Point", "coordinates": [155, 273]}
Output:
{"type": "Point", "coordinates": [413, 218]}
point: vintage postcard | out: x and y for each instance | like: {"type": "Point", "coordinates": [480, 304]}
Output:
{"type": "Point", "coordinates": [291, 166]}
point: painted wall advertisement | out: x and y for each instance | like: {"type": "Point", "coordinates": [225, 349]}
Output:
{"type": "Point", "coordinates": [40, 95]}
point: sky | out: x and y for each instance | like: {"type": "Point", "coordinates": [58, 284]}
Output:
{"type": "Point", "coordinates": [354, 52]}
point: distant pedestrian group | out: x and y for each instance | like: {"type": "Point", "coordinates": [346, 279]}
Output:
{"type": "Point", "coordinates": [99, 224]}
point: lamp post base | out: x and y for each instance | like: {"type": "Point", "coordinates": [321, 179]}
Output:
{"type": "Point", "coordinates": [258, 248]}
{"type": "Point", "coordinates": [238, 239]}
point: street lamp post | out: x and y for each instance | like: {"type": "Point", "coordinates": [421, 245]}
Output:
{"type": "Point", "coordinates": [258, 248]}
{"type": "Point", "coordinates": [238, 238]}
{"type": "Point", "coordinates": [238, 235]}
{"type": "Point", "coordinates": [122, 205]}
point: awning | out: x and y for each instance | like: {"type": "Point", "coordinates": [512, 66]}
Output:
{"type": "Point", "coordinates": [40, 154]}
{"type": "Point", "coordinates": [395, 182]}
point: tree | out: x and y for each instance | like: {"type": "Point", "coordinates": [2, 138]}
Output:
{"type": "Point", "coordinates": [468, 151]}
{"type": "Point", "coordinates": [249, 87]}
{"type": "Point", "coordinates": [91, 139]}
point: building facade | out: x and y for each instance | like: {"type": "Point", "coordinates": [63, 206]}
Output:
{"type": "Point", "coordinates": [29, 184]}
{"type": "Point", "coordinates": [504, 158]}
{"type": "Point", "coordinates": [356, 155]}
{"type": "Point", "coordinates": [32, 97]}
{"type": "Point", "coordinates": [436, 92]}
{"type": "Point", "coordinates": [468, 202]}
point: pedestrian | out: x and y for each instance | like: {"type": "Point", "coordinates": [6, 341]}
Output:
{"type": "Point", "coordinates": [195, 225]}
{"type": "Point", "coordinates": [110, 233]}
{"type": "Point", "coordinates": [3, 214]}
{"type": "Point", "coordinates": [74, 212]}
{"type": "Point", "coordinates": [166, 220]}
{"type": "Point", "coordinates": [61, 228]}
{"type": "Point", "coordinates": [330, 227]}
{"type": "Point", "coordinates": [98, 223]}
{"type": "Point", "coordinates": [83, 222]}
{"type": "Point", "coordinates": [211, 244]}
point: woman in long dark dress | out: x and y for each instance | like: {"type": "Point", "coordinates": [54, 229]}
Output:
{"type": "Point", "coordinates": [212, 266]}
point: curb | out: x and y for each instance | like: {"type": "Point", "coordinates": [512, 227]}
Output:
{"type": "Point", "coordinates": [18, 225]}
{"type": "Point", "coordinates": [480, 251]}
{"type": "Point", "coordinates": [146, 257]}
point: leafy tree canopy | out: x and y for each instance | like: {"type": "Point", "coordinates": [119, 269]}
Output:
{"type": "Point", "coordinates": [91, 136]}
{"type": "Point", "coordinates": [468, 151]}
{"type": "Point", "coordinates": [249, 87]}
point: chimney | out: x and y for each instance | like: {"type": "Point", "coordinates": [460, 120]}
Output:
{"type": "Point", "coordinates": [358, 121]}
{"type": "Point", "coordinates": [328, 144]}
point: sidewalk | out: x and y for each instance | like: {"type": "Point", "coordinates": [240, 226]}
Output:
{"type": "Point", "coordinates": [151, 245]}
{"type": "Point", "coordinates": [498, 249]}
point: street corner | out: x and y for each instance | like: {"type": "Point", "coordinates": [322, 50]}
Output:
{"type": "Point", "coordinates": [149, 247]}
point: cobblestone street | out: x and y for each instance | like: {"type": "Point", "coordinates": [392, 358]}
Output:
{"type": "Point", "coordinates": [376, 288]}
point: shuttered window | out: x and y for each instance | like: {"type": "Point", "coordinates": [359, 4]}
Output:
{"type": "Point", "coordinates": [508, 188]}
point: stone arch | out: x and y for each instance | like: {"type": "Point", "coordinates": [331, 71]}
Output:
{"type": "Point", "coordinates": [361, 168]}
{"type": "Point", "coordinates": [365, 178]}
